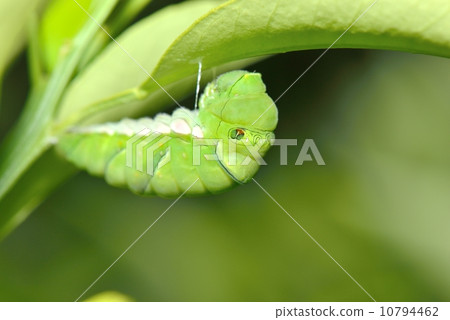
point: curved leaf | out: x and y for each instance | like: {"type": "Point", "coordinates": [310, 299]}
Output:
{"type": "Point", "coordinates": [114, 72]}
{"type": "Point", "coordinates": [241, 29]}
{"type": "Point", "coordinates": [61, 21]}
{"type": "Point", "coordinates": [119, 19]}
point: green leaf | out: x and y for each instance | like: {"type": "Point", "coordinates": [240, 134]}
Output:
{"type": "Point", "coordinates": [14, 15]}
{"type": "Point", "coordinates": [125, 12]}
{"type": "Point", "coordinates": [61, 21]}
{"type": "Point", "coordinates": [122, 15]}
{"type": "Point", "coordinates": [114, 73]}
{"type": "Point", "coordinates": [241, 29]}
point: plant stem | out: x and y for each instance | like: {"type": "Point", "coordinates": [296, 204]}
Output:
{"type": "Point", "coordinates": [30, 137]}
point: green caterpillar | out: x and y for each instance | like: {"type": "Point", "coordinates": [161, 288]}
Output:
{"type": "Point", "coordinates": [235, 114]}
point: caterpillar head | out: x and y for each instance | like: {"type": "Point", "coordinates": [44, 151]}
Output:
{"type": "Point", "coordinates": [236, 108]}
{"type": "Point", "coordinates": [239, 97]}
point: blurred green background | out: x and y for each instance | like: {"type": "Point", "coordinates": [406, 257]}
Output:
{"type": "Point", "coordinates": [380, 206]}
